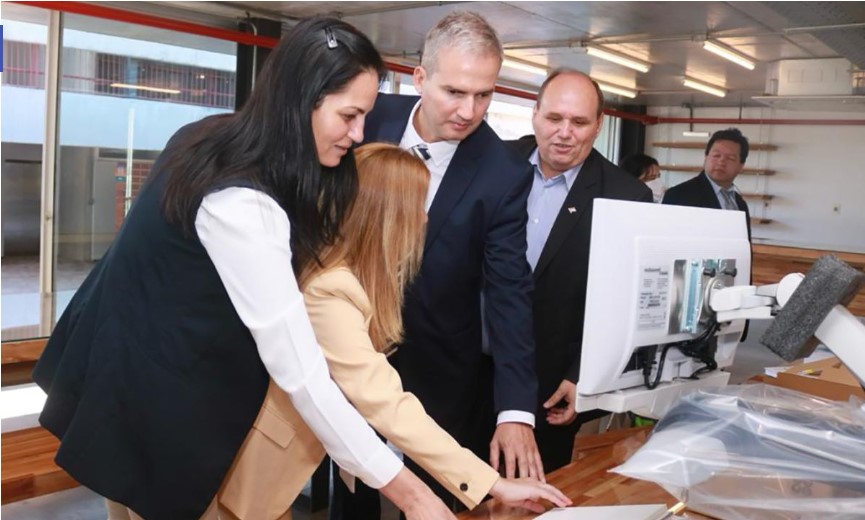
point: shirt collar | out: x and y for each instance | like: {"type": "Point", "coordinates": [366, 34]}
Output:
{"type": "Point", "coordinates": [441, 152]}
{"type": "Point", "coordinates": [569, 175]}
{"type": "Point", "coordinates": [717, 187]}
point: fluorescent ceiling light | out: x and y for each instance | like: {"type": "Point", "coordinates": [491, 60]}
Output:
{"type": "Point", "coordinates": [612, 89]}
{"type": "Point", "coordinates": [729, 54]}
{"type": "Point", "coordinates": [525, 66]}
{"type": "Point", "coordinates": [708, 89]}
{"type": "Point", "coordinates": [142, 87]}
{"type": "Point", "coordinates": [619, 59]}
{"type": "Point", "coordinates": [691, 133]}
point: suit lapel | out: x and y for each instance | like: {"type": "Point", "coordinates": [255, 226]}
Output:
{"type": "Point", "coordinates": [710, 199]}
{"type": "Point", "coordinates": [459, 175]}
{"type": "Point", "coordinates": [586, 187]}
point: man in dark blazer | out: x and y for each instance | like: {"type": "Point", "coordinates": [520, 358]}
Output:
{"type": "Point", "coordinates": [726, 153]}
{"type": "Point", "coordinates": [475, 246]}
{"type": "Point", "coordinates": [568, 175]}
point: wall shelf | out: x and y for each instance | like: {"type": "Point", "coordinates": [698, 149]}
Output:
{"type": "Point", "coordinates": [756, 221]}
{"type": "Point", "coordinates": [757, 196]}
{"type": "Point", "coordinates": [698, 169]}
{"type": "Point", "coordinates": [691, 145]}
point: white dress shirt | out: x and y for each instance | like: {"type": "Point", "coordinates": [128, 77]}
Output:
{"type": "Point", "coordinates": [441, 153]}
{"type": "Point", "coordinates": [246, 234]}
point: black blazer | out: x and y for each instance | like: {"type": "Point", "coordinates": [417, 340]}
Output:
{"type": "Point", "coordinates": [562, 270]}
{"type": "Point", "coordinates": [476, 242]}
{"type": "Point", "coordinates": [699, 193]}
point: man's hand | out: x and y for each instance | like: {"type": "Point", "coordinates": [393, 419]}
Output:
{"type": "Point", "coordinates": [517, 441]}
{"type": "Point", "coordinates": [560, 406]}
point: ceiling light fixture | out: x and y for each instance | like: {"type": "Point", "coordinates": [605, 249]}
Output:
{"type": "Point", "coordinates": [620, 59]}
{"type": "Point", "coordinates": [525, 66]}
{"type": "Point", "coordinates": [708, 89]}
{"type": "Point", "coordinates": [691, 133]}
{"type": "Point", "coordinates": [729, 54]}
{"type": "Point", "coordinates": [148, 89]}
{"type": "Point", "coordinates": [621, 91]}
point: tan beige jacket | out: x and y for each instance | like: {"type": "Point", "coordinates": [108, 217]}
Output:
{"type": "Point", "coordinates": [280, 453]}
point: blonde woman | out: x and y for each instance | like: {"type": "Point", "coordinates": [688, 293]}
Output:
{"type": "Point", "coordinates": [354, 300]}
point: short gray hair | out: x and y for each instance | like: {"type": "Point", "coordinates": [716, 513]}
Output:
{"type": "Point", "coordinates": [463, 30]}
{"type": "Point", "coordinates": [564, 70]}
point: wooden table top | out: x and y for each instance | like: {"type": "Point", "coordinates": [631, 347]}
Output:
{"type": "Point", "coordinates": [587, 482]}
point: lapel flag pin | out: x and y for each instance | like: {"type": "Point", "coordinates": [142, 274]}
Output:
{"type": "Point", "coordinates": [572, 209]}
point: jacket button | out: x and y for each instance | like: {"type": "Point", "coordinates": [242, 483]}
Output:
{"type": "Point", "coordinates": [464, 487]}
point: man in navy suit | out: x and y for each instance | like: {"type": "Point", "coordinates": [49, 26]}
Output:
{"type": "Point", "coordinates": [474, 258]}
{"type": "Point", "coordinates": [726, 154]}
{"type": "Point", "coordinates": [568, 175]}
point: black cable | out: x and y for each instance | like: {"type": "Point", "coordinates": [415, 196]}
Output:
{"type": "Point", "coordinates": [695, 348]}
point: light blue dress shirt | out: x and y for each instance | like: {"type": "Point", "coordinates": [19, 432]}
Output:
{"type": "Point", "coordinates": [544, 204]}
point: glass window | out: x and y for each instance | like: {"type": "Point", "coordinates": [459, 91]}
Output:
{"type": "Point", "coordinates": [510, 117]}
{"type": "Point", "coordinates": [121, 98]}
{"type": "Point", "coordinates": [609, 139]}
{"type": "Point", "coordinates": [25, 31]}
{"type": "Point", "coordinates": [124, 92]}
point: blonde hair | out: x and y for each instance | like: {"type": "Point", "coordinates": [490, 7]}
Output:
{"type": "Point", "coordinates": [382, 236]}
{"type": "Point", "coordinates": [465, 31]}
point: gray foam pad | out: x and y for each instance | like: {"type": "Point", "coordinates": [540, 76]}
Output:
{"type": "Point", "coordinates": [829, 282]}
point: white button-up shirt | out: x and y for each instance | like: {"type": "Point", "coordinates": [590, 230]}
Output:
{"type": "Point", "coordinates": [246, 234]}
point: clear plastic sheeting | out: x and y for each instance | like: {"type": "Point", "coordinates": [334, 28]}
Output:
{"type": "Point", "coordinates": [759, 452]}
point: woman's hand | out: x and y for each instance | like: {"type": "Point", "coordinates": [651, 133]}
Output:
{"type": "Point", "coordinates": [415, 499]}
{"type": "Point", "coordinates": [527, 493]}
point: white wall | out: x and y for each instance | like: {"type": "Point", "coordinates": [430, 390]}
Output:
{"type": "Point", "coordinates": [819, 184]}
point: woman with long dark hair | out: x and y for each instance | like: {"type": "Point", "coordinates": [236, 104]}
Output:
{"type": "Point", "coordinates": [158, 367]}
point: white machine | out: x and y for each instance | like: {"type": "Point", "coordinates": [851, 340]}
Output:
{"type": "Point", "coordinates": [667, 296]}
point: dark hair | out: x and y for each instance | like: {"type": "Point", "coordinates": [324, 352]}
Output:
{"type": "Point", "coordinates": [564, 70]}
{"type": "Point", "coordinates": [636, 164]}
{"type": "Point", "coordinates": [734, 135]}
{"type": "Point", "coordinates": [269, 143]}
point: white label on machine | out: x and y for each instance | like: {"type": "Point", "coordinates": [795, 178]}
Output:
{"type": "Point", "coordinates": [654, 289]}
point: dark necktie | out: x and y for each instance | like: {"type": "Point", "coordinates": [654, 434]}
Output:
{"type": "Point", "coordinates": [422, 151]}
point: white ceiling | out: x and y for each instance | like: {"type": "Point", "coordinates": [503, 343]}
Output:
{"type": "Point", "coordinates": [669, 35]}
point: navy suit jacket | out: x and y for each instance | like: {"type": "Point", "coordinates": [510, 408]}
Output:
{"type": "Point", "coordinates": [475, 242]}
{"type": "Point", "coordinates": [699, 193]}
